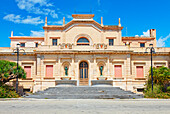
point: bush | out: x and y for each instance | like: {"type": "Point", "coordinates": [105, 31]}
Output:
{"type": "Point", "coordinates": [168, 89]}
{"type": "Point", "coordinates": [161, 78]}
{"type": "Point", "coordinates": [8, 92]}
{"type": "Point", "coordinates": [157, 92]}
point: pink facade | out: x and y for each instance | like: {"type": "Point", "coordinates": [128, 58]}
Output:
{"type": "Point", "coordinates": [49, 70]}
{"type": "Point", "coordinates": [118, 71]}
{"type": "Point", "coordinates": [28, 71]}
{"type": "Point", "coordinates": [139, 71]}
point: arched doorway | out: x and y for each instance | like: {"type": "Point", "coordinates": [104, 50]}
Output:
{"type": "Point", "coordinates": [83, 73]}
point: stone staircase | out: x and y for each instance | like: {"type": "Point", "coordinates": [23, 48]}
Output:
{"type": "Point", "coordinates": [84, 93]}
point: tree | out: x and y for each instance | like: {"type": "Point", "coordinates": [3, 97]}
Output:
{"type": "Point", "coordinates": [8, 71]}
{"type": "Point", "coordinates": [161, 80]}
{"type": "Point", "coordinates": [161, 76]}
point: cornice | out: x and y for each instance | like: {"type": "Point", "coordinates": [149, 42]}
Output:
{"type": "Point", "coordinates": [138, 38]}
{"type": "Point", "coordinates": [26, 37]}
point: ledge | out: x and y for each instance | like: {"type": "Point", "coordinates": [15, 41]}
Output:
{"type": "Point", "coordinates": [102, 82]}
{"type": "Point", "coordinates": [49, 78]}
{"type": "Point", "coordinates": [66, 82]}
{"type": "Point", "coordinates": [65, 78]}
{"type": "Point", "coordinates": [28, 79]}
{"type": "Point", "coordinates": [119, 78]}
{"type": "Point", "coordinates": [140, 78]}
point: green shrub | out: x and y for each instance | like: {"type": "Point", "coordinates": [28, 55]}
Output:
{"type": "Point", "coordinates": [8, 92]}
{"type": "Point", "coordinates": [161, 78]}
{"type": "Point", "coordinates": [157, 92]}
{"type": "Point", "coordinates": [168, 89]}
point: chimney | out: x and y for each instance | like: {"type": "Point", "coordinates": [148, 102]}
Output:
{"type": "Point", "coordinates": [63, 21]}
{"type": "Point", "coordinates": [101, 21]}
{"type": "Point", "coordinates": [11, 33]}
{"type": "Point", "coordinates": [153, 33]}
{"type": "Point", "coordinates": [45, 21]}
{"type": "Point", "coordinates": [119, 23]}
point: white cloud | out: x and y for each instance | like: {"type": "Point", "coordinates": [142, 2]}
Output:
{"type": "Point", "coordinates": [58, 22]}
{"type": "Point", "coordinates": [161, 41]}
{"type": "Point", "coordinates": [37, 33]}
{"type": "Point", "coordinates": [21, 34]}
{"type": "Point", "coordinates": [69, 16]}
{"type": "Point", "coordinates": [37, 7]}
{"type": "Point", "coordinates": [28, 20]}
{"type": "Point", "coordinates": [146, 34]}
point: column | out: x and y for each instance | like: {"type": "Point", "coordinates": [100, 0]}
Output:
{"type": "Point", "coordinates": [38, 65]}
{"type": "Point", "coordinates": [128, 66]}
{"type": "Point", "coordinates": [128, 73]}
{"type": "Point", "coordinates": [90, 72]}
{"type": "Point", "coordinates": [94, 66]}
{"type": "Point", "coordinates": [77, 73]}
{"type": "Point", "coordinates": [72, 67]}
{"type": "Point", "coordinates": [108, 69]}
{"type": "Point", "coordinates": [59, 67]}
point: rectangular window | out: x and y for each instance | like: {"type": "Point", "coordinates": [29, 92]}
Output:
{"type": "Point", "coordinates": [36, 44]}
{"type": "Point", "coordinates": [54, 42]}
{"type": "Point", "coordinates": [139, 72]}
{"type": "Point", "coordinates": [118, 71]}
{"type": "Point", "coordinates": [22, 44]}
{"type": "Point", "coordinates": [111, 42]}
{"type": "Point", "coordinates": [49, 70]}
{"type": "Point", "coordinates": [28, 71]}
{"type": "Point", "coordinates": [142, 44]}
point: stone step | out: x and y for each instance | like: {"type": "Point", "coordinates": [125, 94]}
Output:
{"type": "Point", "coordinates": [84, 92]}
{"type": "Point", "coordinates": [90, 96]}
{"type": "Point", "coordinates": [88, 92]}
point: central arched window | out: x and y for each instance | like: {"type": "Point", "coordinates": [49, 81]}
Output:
{"type": "Point", "coordinates": [83, 41]}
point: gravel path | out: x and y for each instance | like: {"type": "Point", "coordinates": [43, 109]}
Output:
{"type": "Point", "coordinates": [84, 106]}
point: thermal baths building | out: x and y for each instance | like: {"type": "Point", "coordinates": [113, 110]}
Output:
{"type": "Point", "coordinates": [84, 52]}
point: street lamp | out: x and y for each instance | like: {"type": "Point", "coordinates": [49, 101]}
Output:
{"type": "Point", "coordinates": [17, 50]}
{"type": "Point", "coordinates": [152, 50]}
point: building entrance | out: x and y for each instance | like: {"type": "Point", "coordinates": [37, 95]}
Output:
{"type": "Point", "coordinates": [83, 73]}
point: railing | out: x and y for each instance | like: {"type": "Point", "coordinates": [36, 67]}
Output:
{"type": "Point", "coordinates": [85, 48]}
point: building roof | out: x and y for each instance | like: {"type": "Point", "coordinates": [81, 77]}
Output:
{"type": "Point", "coordinates": [137, 38]}
{"type": "Point", "coordinates": [83, 19]}
{"type": "Point", "coordinates": [26, 37]}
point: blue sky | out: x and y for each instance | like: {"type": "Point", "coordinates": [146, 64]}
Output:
{"type": "Point", "coordinates": [26, 17]}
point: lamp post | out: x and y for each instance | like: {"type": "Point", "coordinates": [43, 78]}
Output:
{"type": "Point", "coordinates": [17, 50]}
{"type": "Point", "coordinates": [152, 50]}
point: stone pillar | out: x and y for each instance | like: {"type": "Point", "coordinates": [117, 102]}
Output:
{"type": "Point", "coordinates": [72, 67]}
{"type": "Point", "coordinates": [38, 65]}
{"type": "Point", "coordinates": [94, 66]}
{"type": "Point", "coordinates": [77, 73]}
{"type": "Point", "coordinates": [90, 72]}
{"type": "Point", "coordinates": [59, 67]}
{"type": "Point", "coordinates": [129, 85]}
{"type": "Point", "coordinates": [128, 66]}
{"type": "Point", "coordinates": [108, 68]}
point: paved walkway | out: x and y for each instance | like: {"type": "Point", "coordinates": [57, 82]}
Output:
{"type": "Point", "coordinates": [84, 106]}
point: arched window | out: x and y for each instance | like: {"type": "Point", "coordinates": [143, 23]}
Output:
{"type": "Point", "coordinates": [82, 41]}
